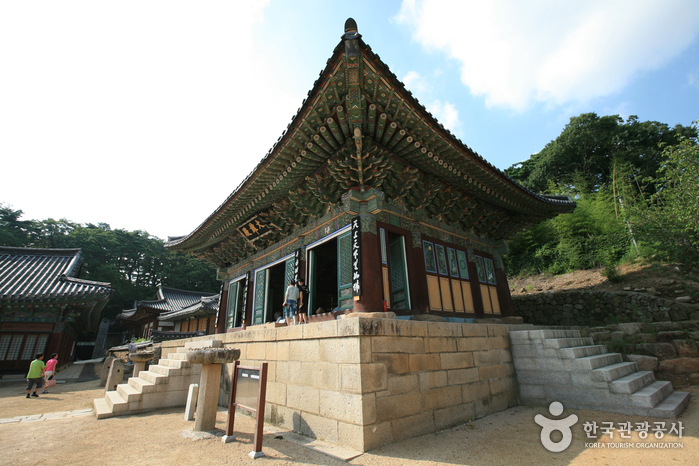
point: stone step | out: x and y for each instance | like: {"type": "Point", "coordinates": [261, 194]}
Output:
{"type": "Point", "coordinates": [129, 392]}
{"type": "Point", "coordinates": [101, 408]}
{"type": "Point", "coordinates": [153, 377]}
{"type": "Point", "coordinates": [165, 370]}
{"type": "Point", "coordinates": [549, 333]}
{"type": "Point", "coordinates": [178, 363]}
{"type": "Point", "coordinates": [204, 344]}
{"type": "Point", "coordinates": [177, 356]}
{"type": "Point", "coordinates": [651, 395]}
{"type": "Point", "coordinates": [575, 352]}
{"type": "Point", "coordinates": [598, 360]}
{"type": "Point", "coordinates": [142, 385]}
{"type": "Point", "coordinates": [613, 372]}
{"type": "Point", "coordinates": [116, 402]}
{"type": "Point", "coordinates": [672, 406]}
{"type": "Point", "coordinates": [632, 383]}
{"type": "Point", "coordinates": [567, 342]}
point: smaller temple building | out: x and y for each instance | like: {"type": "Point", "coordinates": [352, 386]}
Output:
{"type": "Point", "coordinates": [44, 306]}
{"type": "Point", "coordinates": [172, 310]}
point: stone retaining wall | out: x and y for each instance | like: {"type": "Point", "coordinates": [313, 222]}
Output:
{"type": "Point", "coordinates": [363, 382]}
{"type": "Point", "coordinates": [670, 349]}
{"type": "Point", "coordinates": [588, 308]}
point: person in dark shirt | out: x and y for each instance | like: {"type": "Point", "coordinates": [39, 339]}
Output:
{"type": "Point", "coordinates": [303, 301]}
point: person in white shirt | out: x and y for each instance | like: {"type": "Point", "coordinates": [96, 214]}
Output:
{"type": "Point", "coordinates": [290, 299]}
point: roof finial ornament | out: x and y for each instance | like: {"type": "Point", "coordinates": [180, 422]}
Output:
{"type": "Point", "coordinates": [351, 31]}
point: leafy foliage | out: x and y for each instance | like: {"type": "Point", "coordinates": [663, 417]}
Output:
{"type": "Point", "coordinates": [133, 262]}
{"type": "Point", "coordinates": [669, 221]}
{"type": "Point", "coordinates": [587, 154]}
{"type": "Point", "coordinates": [589, 237]}
{"type": "Point", "coordinates": [633, 181]}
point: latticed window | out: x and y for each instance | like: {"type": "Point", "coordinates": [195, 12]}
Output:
{"type": "Point", "coordinates": [448, 285]}
{"type": "Point", "coordinates": [4, 345]}
{"type": "Point", "coordinates": [29, 345]}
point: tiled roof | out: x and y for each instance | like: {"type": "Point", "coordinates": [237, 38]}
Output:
{"type": "Point", "coordinates": [29, 273]}
{"type": "Point", "coordinates": [206, 306]}
{"type": "Point", "coordinates": [170, 300]}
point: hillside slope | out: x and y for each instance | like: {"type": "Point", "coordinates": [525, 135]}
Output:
{"type": "Point", "coordinates": [669, 281]}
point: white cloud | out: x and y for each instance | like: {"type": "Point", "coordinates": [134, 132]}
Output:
{"type": "Point", "coordinates": [445, 112]}
{"type": "Point", "coordinates": [417, 84]}
{"type": "Point", "coordinates": [515, 53]}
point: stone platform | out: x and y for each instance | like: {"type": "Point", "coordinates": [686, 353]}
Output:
{"type": "Point", "coordinates": [364, 382]}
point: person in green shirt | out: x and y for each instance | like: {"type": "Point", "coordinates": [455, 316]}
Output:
{"type": "Point", "coordinates": [36, 374]}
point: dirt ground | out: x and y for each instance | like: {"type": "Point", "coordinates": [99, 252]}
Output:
{"type": "Point", "coordinates": [509, 437]}
{"type": "Point", "coordinates": [665, 280]}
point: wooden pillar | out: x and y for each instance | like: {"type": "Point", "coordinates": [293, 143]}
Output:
{"type": "Point", "coordinates": [372, 291]}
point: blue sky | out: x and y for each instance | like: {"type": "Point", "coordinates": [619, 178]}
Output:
{"type": "Point", "coordinates": [147, 114]}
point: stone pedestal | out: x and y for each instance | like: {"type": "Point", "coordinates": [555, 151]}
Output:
{"type": "Point", "coordinates": [139, 361]}
{"type": "Point", "coordinates": [207, 402]}
{"type": "Point", "coordinates": [116, 375]}
{"type": "Point", "coordinates": [105, 370]}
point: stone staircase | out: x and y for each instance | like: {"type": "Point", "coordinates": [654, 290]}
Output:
{"type": "Point", "coordinates": [560, 365]}
{"type": "Point", "coordinates": [164, 385]}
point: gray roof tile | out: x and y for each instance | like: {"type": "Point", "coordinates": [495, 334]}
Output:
{"type": "Point", "coordinates": [32, 273]}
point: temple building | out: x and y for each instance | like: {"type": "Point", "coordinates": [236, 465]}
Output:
{"type": "Point", "coordinates": [374, 203]}
{"type": "Point", "coordinates": [172, 310]}
{"type": "Point", "coordinates": [44, 306]}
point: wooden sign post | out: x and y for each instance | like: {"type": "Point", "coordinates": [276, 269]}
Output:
{"type": "Point", "coordinates": [249, 391]}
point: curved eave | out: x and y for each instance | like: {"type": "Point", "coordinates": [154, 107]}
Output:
{"type": "Point", "coordinates": [565, 205]}
{"type": "Point", "coordinates": [235, 209]}
{"type": "Point", "coordinates": [193, 239]}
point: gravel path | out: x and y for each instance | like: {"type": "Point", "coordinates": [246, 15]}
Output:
{"type": "Point", "coordinates": [507, 438]}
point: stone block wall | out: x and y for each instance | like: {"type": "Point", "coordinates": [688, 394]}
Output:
{"type": "Point", "coordinates": [364, 382]}
{"type": "Point", "coordinates": [670, 349]}
{"type": "Point", "coordinates": [588, 308]}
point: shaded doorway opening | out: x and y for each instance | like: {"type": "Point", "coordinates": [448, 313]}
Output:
{"type": "Point", "coordinates": [276, 287]}
{"type": "Point", "coordinates": [323, 281]}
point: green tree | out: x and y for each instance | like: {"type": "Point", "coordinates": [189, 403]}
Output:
{"type": "Point", "coordinates": [133, 262]}
{"type": "Point", "coordinates": [594, 152]}
{"type": "Point", "coordinates": [669, 222]}
{"type": "Point", "coordinates": [591, 236]}
{"type": "Point", "coordinates": [13, 231]}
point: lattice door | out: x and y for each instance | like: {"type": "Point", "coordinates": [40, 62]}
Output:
{"type": "Point", "coordinates": [232, 304]}
{"type": "Point", "coordinates": [258, 315]}
{"type": "Point", "coordinates": [344, 272]}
